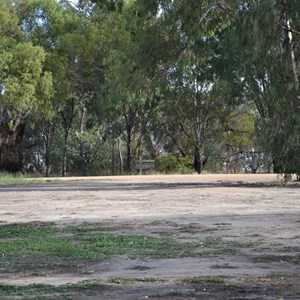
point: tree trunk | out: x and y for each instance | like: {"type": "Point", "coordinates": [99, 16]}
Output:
{"type": "Point", "coordinates": [288, 44]}
{"type": "Point", "coordinates": [48, 135]}
{"type": "Point", "coordinates": [11, 135]}
{"type": "Point", "coordinates": [197, 160]}
{"type": "Point", "coordinates": [47, 164]}
{"type": "Point", "coordinates": [113, 143]}
{"type": "Point", "coordinates": [82, 149]}
{"type": "Point", "coordinates": [67, 117]}
{"type": "Point", "coordinates": [64, 156]}
{"type": "Point", "coordinates": [128, 151]}
{"type": "Point", "coordinates": [120, 157]}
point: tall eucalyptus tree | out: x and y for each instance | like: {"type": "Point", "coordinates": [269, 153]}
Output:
{"type": "Point", "coordinates": [262, 50]}
{"type": "Point", "coordinates": [25, 85]}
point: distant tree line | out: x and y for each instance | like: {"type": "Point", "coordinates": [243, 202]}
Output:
{"type": "Point", "coordinates": [88, 87]}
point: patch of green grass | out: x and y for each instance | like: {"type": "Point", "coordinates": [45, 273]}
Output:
{"type": "Point", "coordinates": [281, 280]}
{"type": "Point", "coordinates": [60, 247]}
{"type": "Point", "coordinates": [43, 291]}
{"type": "Point", "coordinates": [238, 244]}
{"type": "Point", "coordinates": [191, 228]}
{"type": "Point", "coordinates": [129, 281]}
{"type": "Point", "coordinates": [12, 179]}
{"type": "Point", "coordinates": [222, 283]}
{"type": "Point", "coordinates": [26, 230]}
{"type": "Point", "coordinates": [38, 247]}
{"type": "Point", "coordinates": [222, 246]}
{"type": "Point", "coordinates": [222, 224]}
{"type": "Point", "coordinates": [87, 228]}
{"type": "Point", "coordinates": [163, 233]}
{"type": "Point", "coordinates": [97, 248]}
{"type": "Point", "coordinates": [205, 279]}
{"type": "Point", "coordinates": [254, 235]}
{"type": "Point", "coordinates": [135, 246]}
{"type": "Point", "coordinates": [227, 251]}
{"type": "Point", "coordinates": [277, 275]}
{"type": "Point", "coordinates": [164, 223]}
{"type": "Point", "coordinates": [212, 246]}
{"type": "Point", "coordinates": [211, 242]}
{"type": "Point", "coordinates": [232, 247]}
{"type": "Point", "coordinates": [278, 258]}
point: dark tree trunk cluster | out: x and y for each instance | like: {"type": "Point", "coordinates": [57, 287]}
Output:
{"type": "Point", "coordinates": [11, 135]}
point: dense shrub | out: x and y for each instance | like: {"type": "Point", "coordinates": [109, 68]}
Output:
{"type": "Point", "coordinates": [174, 164]}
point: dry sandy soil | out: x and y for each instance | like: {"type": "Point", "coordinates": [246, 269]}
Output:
{"type": "Point", "coordinates": [255, 212]}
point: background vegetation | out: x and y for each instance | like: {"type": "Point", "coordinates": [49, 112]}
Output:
{"type": "Point", "coordinates": [88, 87]}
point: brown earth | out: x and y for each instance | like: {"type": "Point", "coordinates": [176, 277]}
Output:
{"type": "Point", "coordinates": [255, 212]}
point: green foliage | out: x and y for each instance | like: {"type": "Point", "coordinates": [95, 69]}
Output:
{"type": "Point", "coordinates": [24, 83]}
{"type": "Point", "coordinates": [159, 73]}
{"type": "Point", "coordinates": [173, 164]}
{"type": "Point", "coordinates": [260, 52]}
{"type": "Point", "coordinates": [241, 131]}
{"type": "Point", "coordinates": [88, 153]}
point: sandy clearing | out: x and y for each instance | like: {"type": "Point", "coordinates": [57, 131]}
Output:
{"type": "Point", "coordinates": [219, 205]}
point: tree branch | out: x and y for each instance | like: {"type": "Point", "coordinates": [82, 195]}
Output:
{"type": "Point", "coordinates": [291, 30]}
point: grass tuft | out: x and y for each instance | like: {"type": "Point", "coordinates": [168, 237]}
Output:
{"type": "Point", "coordinates": [12, 179]}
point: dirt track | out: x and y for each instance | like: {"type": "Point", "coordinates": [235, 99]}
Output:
{"type": "Point", "coordinates": [187, 207]}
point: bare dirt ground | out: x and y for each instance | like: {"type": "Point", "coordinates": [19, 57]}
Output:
{"type": "Point", "coordinates": [253, 214]}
